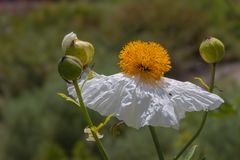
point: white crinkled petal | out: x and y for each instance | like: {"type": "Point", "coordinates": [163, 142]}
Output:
{"type": "Point", "coordinates": [188, 97]}
{"type": "Point", "coordinates": [136, 104]}
{"type": "Point", "coordinates": [67, 40]}
{"type": "Point", "coordinates": [139, 104]}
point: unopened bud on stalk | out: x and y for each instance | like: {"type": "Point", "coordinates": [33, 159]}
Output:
{"type": "Point", "coordinates": [84, 51]}
{"type": "Point", "coordinates": [70, 68]}
{"type": "Point", "coordinates": [68, 40]}
{"type": "Point", "coordinates": [212, 50]}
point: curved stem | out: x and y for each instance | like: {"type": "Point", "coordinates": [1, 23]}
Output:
{"type": "Point", "coordinates": [156, 142]}
{"type": "Point", "coordinates": [204, 118]}
{"type": "Point", "coordinates": [194, 137]}
{"type": "Point", "coordinates": [89, 121]}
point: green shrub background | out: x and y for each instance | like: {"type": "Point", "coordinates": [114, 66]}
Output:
{"type": "Point", "coordinates": [36, 124]}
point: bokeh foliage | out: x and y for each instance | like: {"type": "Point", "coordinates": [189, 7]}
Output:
{"type": "Point", "coordinates": [36, 124]}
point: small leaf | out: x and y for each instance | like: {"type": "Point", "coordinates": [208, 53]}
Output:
{"type": "Point", "coordinates": [105, 122]}
{"type": "Point", "coordinates": [202, 82]}
{"type": "Point", "coordinates": [91, 75]}
{"type": "Point", "coordinates": [68, 98]}
{"type": "Point", "coordinates": [190, 153]}
{"type": "Point", "coordinates": [226, 109]}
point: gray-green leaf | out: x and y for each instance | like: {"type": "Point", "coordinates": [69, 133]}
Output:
{"type": "Point", "coordinates": [68, 98]}
{"type": "Point", "coordinates": [190, 153]}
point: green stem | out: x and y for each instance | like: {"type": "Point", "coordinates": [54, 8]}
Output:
{"type": "Point", "coordinates": [156, 143]}
{"type": "Point", "coordinates": [204, 118]}
{"type": "Point", "coordinates": [213, 68]}
{"type": "Point", "coordinates": [89, 121]}
{"type": "Point", "coordinates": [194, 137]}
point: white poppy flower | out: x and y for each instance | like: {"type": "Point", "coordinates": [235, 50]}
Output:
{"type": "Point", "coordinates": [141, 95]}
{"type": "Point", "coordinates": [67, 40]}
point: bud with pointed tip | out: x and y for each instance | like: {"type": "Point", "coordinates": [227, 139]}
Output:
{"type": "Point", "coordinates": [84, 51]}
{"type": "Point", "coordinates": [70, 68]}
{"type": "Point", "coordinates": [212, 50]}
{"type": "Point", "coordinates": [67, 41]}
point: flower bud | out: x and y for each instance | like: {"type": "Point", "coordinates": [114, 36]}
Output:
{"type": "Point", "coordinates": [70, 68]}
{"type": "Point", "coordinates": [67, 41]}
{"type": "Point", "coordinates": [84, 51]}
{"type": "Point", "coordinates": [212, 50]}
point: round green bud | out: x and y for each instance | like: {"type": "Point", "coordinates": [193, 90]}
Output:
{"type": "Point", "coordinates": [212, 50]}
{"type": "Point", "coordinates": [70, 68]}
{"type": "Point", "coordinates": [82, 50]}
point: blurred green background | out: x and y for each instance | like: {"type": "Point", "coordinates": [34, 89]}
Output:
{"type": "Point", "coordinates": [36, 124]}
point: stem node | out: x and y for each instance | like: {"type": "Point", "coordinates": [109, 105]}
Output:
{"type": "Point", "coordinates": [89, 121]}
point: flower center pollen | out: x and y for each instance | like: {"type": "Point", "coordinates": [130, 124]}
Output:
{"type": "Point", "coordinates": [146, 60]}
{"type": "Point", "coordinates": [143, 68]}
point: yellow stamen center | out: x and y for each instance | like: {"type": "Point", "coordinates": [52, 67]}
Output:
{"type": "Point", "coordinates": [145, 60]}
